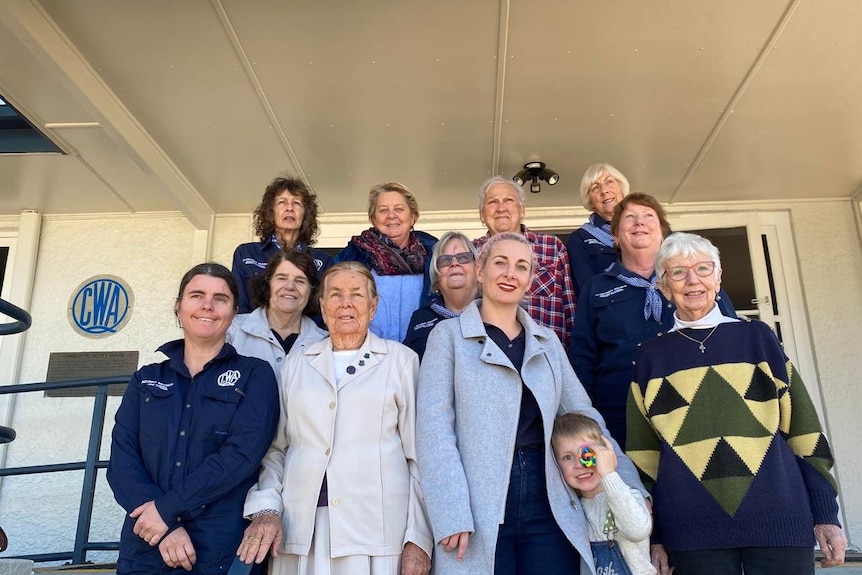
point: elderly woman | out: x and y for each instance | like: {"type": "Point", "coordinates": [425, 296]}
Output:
{"type": "Point", "coordinates": [491, 384]}
{"type": "Point", "coordinates": [338, 491]}
{"type": "Point", "coordinates": [399, 257]}
{"type": "Point", "coordinates": [280, 321]}
{"type": "Point", "coordinates": [550, 300]}
{"type": "Point", "coordinates": [725, 434]}
{"type": "Point", "coordinates": [453, 277]}
{"type": "Point", "coordinates": [622, 307]}
{"type": "Point", "coordinates": [591, 247]}
{"type": "Point", "coordinates": [285, 219]}
{"type": "Point", "coordinates": [189, 437]}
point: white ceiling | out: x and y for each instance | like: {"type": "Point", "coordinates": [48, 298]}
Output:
{"type": "Point", "coordinates": [195, 105]}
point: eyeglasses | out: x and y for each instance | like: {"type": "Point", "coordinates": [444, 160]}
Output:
{"type": "Point", "coordinates": [463, 258]}
{"type": "Point", "coordinates": [679, 273]}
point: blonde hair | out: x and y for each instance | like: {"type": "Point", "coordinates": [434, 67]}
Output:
{"type": "Point", "coordinates": [409, 197]}
{"type": "Point", "coordinates": [575, 424]}
{"type": "Point", "coordinates": [593, 174]}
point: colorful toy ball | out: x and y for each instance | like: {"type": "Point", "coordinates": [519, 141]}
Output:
{"type": "Point", "coordinates": [588, 456]}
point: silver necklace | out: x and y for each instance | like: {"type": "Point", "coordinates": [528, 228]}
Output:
{"type": "Point", "coordinates": [699, 342]}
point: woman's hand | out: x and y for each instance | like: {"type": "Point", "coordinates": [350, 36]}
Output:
{"type": "Point", "coordinates": [149, 525]}
{"type": "Point", "coordinates": [177, 549]}
{"type": "Point", "coordinates": [658, 556]}
{"type": "Point", "coordinates": [414, 561]}
{"type": "Point", "coordinates": [262, 536]}
{"type": "Point", "coordinates": [457, 541]}
{"type": "Point", "coordinates": [832, 543]}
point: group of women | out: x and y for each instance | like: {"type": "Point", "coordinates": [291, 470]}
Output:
{"type": "Point", "coordinates": [333, 451]}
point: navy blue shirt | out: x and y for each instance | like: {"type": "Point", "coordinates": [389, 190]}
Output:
{"type": "Point", "coordinates": [588, 256]}
{"type": "Point", "coordinates": [193, 445]}
{"type": "Point", "coordinates": [249, 260]}
{"type": "Point", "coordinates": [531, 432]}
{"type": "Point", "coordinates": [422, 322]}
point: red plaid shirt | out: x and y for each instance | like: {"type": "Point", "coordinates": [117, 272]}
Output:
{"type": "Point", "coordinates": [551, 299]}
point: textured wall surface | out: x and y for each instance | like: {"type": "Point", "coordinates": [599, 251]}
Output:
{"type": "Point", "coordinates": [151, 253]}
{"type": "Point", "coordinates": [830, 263]}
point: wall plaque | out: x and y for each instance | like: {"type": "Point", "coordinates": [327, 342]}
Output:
{"type": "Point", "coordinates": [83, 364]}
{"type": "Point", "coordinates": [100, 306]}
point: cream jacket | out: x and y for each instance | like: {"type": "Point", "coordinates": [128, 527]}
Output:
{"type": "Point", "coordinates": [250, 335]}
{"type": "Point", "coordinates": [361, 434]}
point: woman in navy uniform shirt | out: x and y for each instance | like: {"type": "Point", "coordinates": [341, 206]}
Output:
{"type": "Point", "coordinates": [189, 436]}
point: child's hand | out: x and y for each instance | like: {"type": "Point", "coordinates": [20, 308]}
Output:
{"type": "Point", "coordinates": [606, 459]}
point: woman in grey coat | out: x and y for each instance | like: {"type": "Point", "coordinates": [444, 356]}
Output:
{"type": "Point", "coordinates": [490, 386]}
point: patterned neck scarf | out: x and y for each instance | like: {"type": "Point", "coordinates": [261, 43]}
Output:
{"type": "Point", "coordinates": [600, 232]}
{"type": "Point", "coordinates": [652, 305]}
{"type": "Point", "coordinates": [387, 259]}
{"type": "Point", "coordinates": [443, 310]}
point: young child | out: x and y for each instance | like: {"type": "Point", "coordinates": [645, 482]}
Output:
{"type": "Point", "coordinates": [616, 514]}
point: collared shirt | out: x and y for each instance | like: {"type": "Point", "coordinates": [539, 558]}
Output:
{"type": "Point", "coordinates": [550, 300]}
{"type": "Point", "coordinates": [192, 445]}
{"type": "Point", "coordinates": [249, 260]}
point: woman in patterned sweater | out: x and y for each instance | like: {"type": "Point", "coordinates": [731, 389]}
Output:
{"type": "Point", "coordinates": [726, 437]}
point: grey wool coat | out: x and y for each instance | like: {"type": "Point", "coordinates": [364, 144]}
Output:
{"type": "Point", "coordinates": [468, 405]}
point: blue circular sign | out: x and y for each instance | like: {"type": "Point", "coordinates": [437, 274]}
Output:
{"type": "Point", "coordinates": [100, 306]}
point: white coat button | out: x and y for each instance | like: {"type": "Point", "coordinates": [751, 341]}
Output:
{"type": "Point", "coordinates": [331, 405]}
{"type": "Point", "coordinates": [328, 451]}
{"type": "Point", "coordinates": [335, 502]}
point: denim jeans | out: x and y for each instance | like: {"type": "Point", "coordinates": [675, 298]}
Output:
{"type": "Point", "coordinates": [529, 540]}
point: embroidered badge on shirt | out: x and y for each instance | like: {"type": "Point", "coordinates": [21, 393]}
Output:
{"type": "Point", "coordinates": [229, 378]}
{"type": "Point", "coordinates": [611, 292]}
{"type": "Point", "coordinates": [254, 262]}
{"type": "Point", "coordinates": [157, 384]}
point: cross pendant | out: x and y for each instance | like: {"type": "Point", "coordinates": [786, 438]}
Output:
{"type": "Point", "coordinates": [702, 348]}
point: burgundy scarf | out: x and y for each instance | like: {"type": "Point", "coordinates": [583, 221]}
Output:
{"type": "Point", "coordinates": [387, 259]}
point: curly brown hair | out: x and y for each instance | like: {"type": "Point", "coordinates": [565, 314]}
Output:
{"type": "Point", "coordinates": [264, 219]}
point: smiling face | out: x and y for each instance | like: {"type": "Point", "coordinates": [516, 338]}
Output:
{"type": "Point", "coordinates": [456, 275]}
{"type": "Point", "coordinates": [639, 229]}
{"type": "Point", "coordinates": [289, 289]}
{"type": "Point", "coordinates": [392, 217]}
{"type": "Point", "coordinates": [693, 296]}
{"type": "Point", "coordinates": [502, 210]}
{"type": "Point", "coordinates": [346, 305]}
{"type": "Point", "coordinates": [506, 272]}
{"type": "Point", "coordinates": [206, 308]}
{"type": "Point", "coordinates": [585, 480]}
{"type": "Point", "coordinates": [604, 194]}
{"type": "Point", "coordinates": [287, 211]}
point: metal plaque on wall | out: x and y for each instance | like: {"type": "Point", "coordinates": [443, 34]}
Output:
{"type": "Point", "coordinates": [100, 306]}
{"type": "Point", "coordinates": [89, 364]}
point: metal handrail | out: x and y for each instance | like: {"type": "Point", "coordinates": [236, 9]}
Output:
{"type": "Point", "coordinates": [90, 466]}
{"type": "Point", "coordinates": [22, 318]}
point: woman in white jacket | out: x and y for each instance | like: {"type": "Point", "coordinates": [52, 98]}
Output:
{"type": "Point", "coordinates": [338, 491]}
{"type": "Point", "coordinates": [280, 321]}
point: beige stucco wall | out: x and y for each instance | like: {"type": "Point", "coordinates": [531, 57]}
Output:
{"type": "Point", "coordinates": [152, 252]}
{"type": "Point", "coordinates": [830, 263]}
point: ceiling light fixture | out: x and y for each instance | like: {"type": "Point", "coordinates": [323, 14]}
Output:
{"type": "Point", "coordinates": [533, 172]}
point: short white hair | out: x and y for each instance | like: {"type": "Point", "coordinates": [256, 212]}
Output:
{"type": "Point", "coordinates": [491, 182]}
{"type": "Point", "coordinates": [685, 245]}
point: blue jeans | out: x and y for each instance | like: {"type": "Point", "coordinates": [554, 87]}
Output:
{"type": "Point", "coordinates": [529, 540]}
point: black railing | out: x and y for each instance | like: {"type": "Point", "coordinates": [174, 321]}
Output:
{"type": "Point", "coordinates": [90, 466]}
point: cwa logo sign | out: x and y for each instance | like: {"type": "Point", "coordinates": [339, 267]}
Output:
{"type": "Point", "coordinates": [100, 306]}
